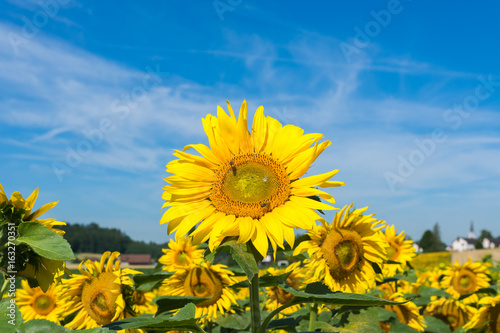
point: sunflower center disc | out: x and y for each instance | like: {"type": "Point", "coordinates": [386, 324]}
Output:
{"type": "Point", "coordinates": [465, 282]}
{"type": "Point", "coordinates": [138, 297]}
{"type": "Point", "coordinates": [250, 182]}
{"type": "Point", "coordinates": [391, 252]}
{"type": "Point", "coordinates": [202, 282]}
{"type": "Point", "coordinates": [181, 258]}
{"type": "Point", "coordinates": [494, 319]}
{"type": "Point", "coordinates": [250, 185]}
{"type": "Point", "coordinates": [43, 304]}
{"type": "Point", "coordinates": [343, 252]}
{"type": "Point", "coordinates": [99, 297]}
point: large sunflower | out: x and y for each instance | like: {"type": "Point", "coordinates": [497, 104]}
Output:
{"type": "Point", "coordinates": [276, 296]}
{"type": "Point", "coordinates": [101, 294]}
{"type": "Point", "coordinates": [205, 280]}
{"type": "Point", "coordinates": [180, 253]}
{"type": "Point", "coordinates": [399, 250]}
{"type": "Point", "coordinates": [489, 314]}
{"type": "Point", "coordinates": [465, 279]}
{"type": "Point", "coordinates": [36, 304]}
{"type": "Point", "coordinates": [246, 185]}
{"type": "Point", "coordinates": [341, 254]}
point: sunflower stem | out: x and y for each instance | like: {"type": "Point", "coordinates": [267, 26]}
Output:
{"type": "Point", "coordinates": [270, 316]}
{"type": "Point", "coordinates": [313, 314]}
{"type": "Point", "coordinates": [255, 304]}
{"type": "Point", "coordinates": [4, 285]}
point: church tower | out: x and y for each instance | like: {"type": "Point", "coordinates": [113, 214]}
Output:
{"type": "Point", "coordinates": [472, 235]}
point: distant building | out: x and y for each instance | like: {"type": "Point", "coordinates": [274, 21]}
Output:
{"type": "Point", "coordinates": [462, 244]}
{"type": "Point", "coordinates": [490, 243]}
{"type": "Point", "coordinates": [136, 259]}
{"type": "Point", "coordinates": [417, 247]}
{"type": "Point", "coordinates": [472, 234]}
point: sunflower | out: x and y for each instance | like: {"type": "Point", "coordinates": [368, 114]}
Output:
{"type": "Point", "coordinates": [101, 294]}
{"type": "Point", "coordinates": [246, 185]}
{"type": "Point", "coordinates": [143, 301]}
{"type": "Point", "coordinates": [489, 314]}
{"type": "Point", "coordinates": [205, 280]}
{"type": "Point", "coordinates": [464, 279]}
{"type": "Point", "coordinates": [180, 253]}
{"type": "Point", "coordinates": [276, 296]}
{"type": "Point", "coordinates": [451, 311]}
{"type": "Point", "coordinates": [430, 277]}
{"type": "Point", "coordinates": [17, 200]}
{"type": "Point", "coordinates": [407, 313]}
{"type": "Point", "coordinates": [400, 251]}
{"type": "Point", "coordinates": [341, 254]}
{"type": "Point", "coordinates": [36, 304]}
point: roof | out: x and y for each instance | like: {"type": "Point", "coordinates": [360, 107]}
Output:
{"type": "Point", "coordinates": [137, 259]}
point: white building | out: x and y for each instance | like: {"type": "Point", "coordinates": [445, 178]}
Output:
{"type": "Point", "coordinates": [462, 244]}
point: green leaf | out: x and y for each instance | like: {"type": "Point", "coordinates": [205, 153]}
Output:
{"type": "Point", "coordinates": [424, 297]}
{"type": "Point", "coordinates": [365, 321]}
{"type": "Point", "coordinates": [95, 330]}
{"type": "Point", "coordinates": [41, 326]}
{"type": "Point", "coordinates": [10, 317]}
{"type": "Point", "coordinates": [399, 327]}
{"type": "Point", "coordinates": [324, 327]}
{"type": "Point", "coordinates": [44, 241]}
{"type": "Point", "coordinates": [385, 315]}
{"type": "Point", "coordinates": [183, 320]}
{"type": "Point", "coordinates": [289, 323]}
{"type": "Point", "coordinates": [241, 254]}
{"type": "Point", "coordinates": [169, 303]}
{"type": "Point", "coordinates": [234, 321]}
{"type": "Point", "coordinates": [264, 281]}
{"type": "Point", "coordinates": [145, 282]}
{"type": "Point", "coordinates": [435, 325]}
{"type": "Point", "coordinates": [337, 298]}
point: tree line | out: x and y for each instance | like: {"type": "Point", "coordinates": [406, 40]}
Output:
{"type": "Point", "coordinates": [95, 239]}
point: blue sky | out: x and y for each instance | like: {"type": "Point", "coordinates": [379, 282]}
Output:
{"type": "Point", "coordinates": [94, 96]}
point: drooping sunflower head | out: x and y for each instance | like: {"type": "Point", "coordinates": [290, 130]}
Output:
{"type": "Point", "coordinates": [180, 253]}
{"type": "Point", "coordinates": [488, 314]}
{"type": "Point", "coordinates": [341, 254]}
{"type": "Point", "coordinates": [399, 250]}
{"type": "Point", "coordinates": [276, 296]}
{"type": "Point", "coordinates": [451, 311]}
{"type": "Point", "coordinates": [18, 201]}
{"type": "Point", "coordinates": [464, 279]}
{"type": "Point", "coordinates": [407, 313]}
{"type": "Point", "coordinates": [246, 185]}
{"type": "Point", "coordinates": [101, 294]}
{"type": "Point", "coordinates": [36, 304]}
{"type": "Point", "coordinates": [205, 280]}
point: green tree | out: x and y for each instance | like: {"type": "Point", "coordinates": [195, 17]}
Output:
{"type": "Point", "coordinates": [431, 240]}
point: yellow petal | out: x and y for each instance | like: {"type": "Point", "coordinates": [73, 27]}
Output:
{"type": "Point", "coordinates": [41, 210]}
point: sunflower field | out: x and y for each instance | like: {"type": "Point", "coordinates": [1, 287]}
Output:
{"type": "Point", "coordinates": [243, 196]}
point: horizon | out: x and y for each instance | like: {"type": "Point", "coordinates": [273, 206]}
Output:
{"type": "Point", "coordinates": [95, 97]}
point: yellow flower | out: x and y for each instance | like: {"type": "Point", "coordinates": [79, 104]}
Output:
{"type": "Point", "coordinates": [464, 279]}
{"type": "Point", "coordinates": [407, 313]}
{"type": "Point", "coordinates": [36, 304]}
{"type": "Point", "coordinates": [27, 204]}
{"type": "Point", "coordinates": [180, 253]}
{"type": "Point", "coordinates": [341, 253]}
{"type": "Point", "coordinates": [430, 277]}
{"type": "Point", "coordinates": [203, 280]}
{"type": "Point", "coordinates": [246, 185]}
{"type": "Point", "coordinates": [400, 250]}
{"type": "Point", "coordinates": [451, 311]}
{"type": "Point", "coordinates": [487, 315]}
{"type": "Point", "coordinates": [276, 296]}
{"type": "Point", "coordinates": [143, 301]}
{"type": "Point", "coordinates": [100, 295]}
